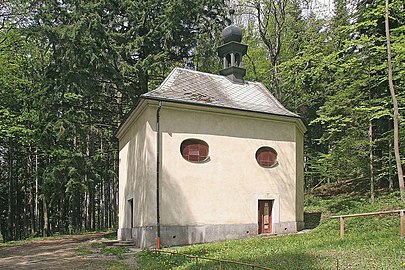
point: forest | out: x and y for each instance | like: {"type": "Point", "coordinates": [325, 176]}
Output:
{"type": "Point", "coordinates": [70, 71]}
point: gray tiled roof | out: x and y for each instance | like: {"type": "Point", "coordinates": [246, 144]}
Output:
{"type": "Point", "coordinates": [194, 87]}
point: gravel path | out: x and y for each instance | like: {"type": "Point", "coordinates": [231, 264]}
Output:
{"type": "Point", "coordinates": [53, 254]}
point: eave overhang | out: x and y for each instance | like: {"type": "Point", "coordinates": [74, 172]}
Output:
{"type": "Point", "coordinates": [153, 101]}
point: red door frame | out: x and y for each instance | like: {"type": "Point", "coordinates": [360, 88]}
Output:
{"type": "Point", "coordinates": [265, 223]}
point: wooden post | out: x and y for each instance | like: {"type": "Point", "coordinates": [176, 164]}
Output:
{"type": "Point", "coordinates": [342, 227]}
{"type": "Point", "coordinates": [400, 211]}
{"type": "Point", "coordinates": [402, 224]}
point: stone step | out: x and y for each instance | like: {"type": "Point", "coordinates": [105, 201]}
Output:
{"type": "Point", "coordinates": [124, 244]}
{"type": "Point", "coordinates": [119, 243]}
{"type": "Point", "coordinates": [110, 242]}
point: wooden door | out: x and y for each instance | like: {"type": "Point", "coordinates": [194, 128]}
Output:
{"type": "Point", "coordinates": [265, 218]}
{"type": "Point", "coordinates": [131, 212]}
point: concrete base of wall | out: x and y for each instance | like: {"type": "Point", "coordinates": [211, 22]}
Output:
{"type": "Point", "coordinates": [287, 227]}
{"type": "Point", "coordinates": [145, 237]}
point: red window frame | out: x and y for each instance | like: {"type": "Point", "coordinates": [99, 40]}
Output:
{"type": "Point", "coordinates": [194, 150]}
{"type": "Point", "coordinates": [266, 157]}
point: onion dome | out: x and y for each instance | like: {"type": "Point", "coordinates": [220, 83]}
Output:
{"type": "Point", "coordinates": [232, 51]}
{"type": "Point", "coordinates": [232, 33]}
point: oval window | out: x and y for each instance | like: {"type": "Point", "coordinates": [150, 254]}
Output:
{"type": "Point", "coordinates": [266, 157]}
{"type": "Point", "coordinates": [194, 150]}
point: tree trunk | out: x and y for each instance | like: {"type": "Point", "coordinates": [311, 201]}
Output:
{"type": "Point", "coordinates": [395, 104]}
{"type": "Point", "coordinates": [17, 212]}
{"type": "Point", "coordinates": [372, 192]}
{"type": "Point", "coordinates": [271, 39]}
{"type": "Point", "coordinates": [26, 203]}
{"type": "Point", "coordinates": [86, 207]}
{"type": "Point", "coordinates": [46, 223]}
{"type": "Point", "coordinates": [36, 212]}
{"type": "Point", "coordinates": [10, 214]}
{"type": "Point", "coordinates": [390, 179]}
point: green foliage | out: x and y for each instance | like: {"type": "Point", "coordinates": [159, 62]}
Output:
{"type": "Point", "coordinates": [118, 266]}
{"type": "Point", "coordinates": [333, 72]}
{"type": "Point", "coordinates": [97, 245]}
{"type": "Point", "coordinates": [83, 250]}
{"type": "Point", "coordinates": [349, 204]}
{"type": "Point", "coordinates": [70, 71]}
{"type": "Point", "coordinates": [115, 251]}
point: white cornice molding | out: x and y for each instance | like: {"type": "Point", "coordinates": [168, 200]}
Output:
{"type": "Point", "coordinates": [142, 105]}
{"type": "Point", "coordinates": [133, 116]}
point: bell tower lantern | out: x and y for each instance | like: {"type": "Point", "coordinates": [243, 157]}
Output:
{"type": "Point", "coordinates": [232, 52]}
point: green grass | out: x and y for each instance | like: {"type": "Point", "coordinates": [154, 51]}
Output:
{"type": "Point", "coordinates": [115, 255]}
{"type": "Point", "coordinates": [115, 251]}
{"type": "Point", "coordinates": [98, 247]}
{"type": "Point", "coordinates": [118, 266]}
{"type": "Point", "coordinates": [83, 250]}
{"type": "Point", "coordinates": [369, 243]}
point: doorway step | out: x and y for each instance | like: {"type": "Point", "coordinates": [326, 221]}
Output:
{"type": "Point", "coordinates": [120, 243]}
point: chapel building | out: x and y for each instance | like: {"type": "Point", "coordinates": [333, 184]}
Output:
{"type": "Point", "coordinates": [208, 157]}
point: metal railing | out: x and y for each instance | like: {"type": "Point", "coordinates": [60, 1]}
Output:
{"type": "Point", "coordinates": [219, 261]}
{"type": "Point", "coordinates": [401, 216]}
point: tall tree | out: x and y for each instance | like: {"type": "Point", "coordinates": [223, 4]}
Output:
{"type": "Point", "coordinates": [360, 72]}
{"type": "Point", "coordinates": [395, 104]}
{"type": "Point", "coordinates": [72, 70]}
{"type": "Point", "coordinates": [270, 19]}
{"type": "Point", "coordinates": [332, 71]}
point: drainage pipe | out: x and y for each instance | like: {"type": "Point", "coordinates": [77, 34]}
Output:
{"type": "Point", "coordinates": [158, 146]}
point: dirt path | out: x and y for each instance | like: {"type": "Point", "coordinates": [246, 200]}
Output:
{"type": "Point", "coordinates": [53, 254]}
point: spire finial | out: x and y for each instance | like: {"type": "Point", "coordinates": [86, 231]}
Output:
{"type": "Point", "coordinates": [232, 15]}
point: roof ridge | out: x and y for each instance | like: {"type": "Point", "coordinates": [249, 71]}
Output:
{"type": "Point", "coordinates": [191, 86]}
{"type": "Point", "coordinates": [212, 74]}
{"type": "Point", "coordinates": [163, 83]}
{"type": "Point", "coordinates": [278, 103]}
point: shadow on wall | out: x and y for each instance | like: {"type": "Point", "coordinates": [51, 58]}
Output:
{"type": "Point", "coordinates": [136, 187]}
{"type": "Point", "coordinates": [174, 210]}
{"type": "Point", "coordinates": [282, 176]}
{"type": "Point", "coordinates": [141, 182]}
{"type": "Point", "coordinates": [230, 126]}
{"type": "Point", "coordinates": [141, 186]}
{"type": "Point", "coordinates": [174, 204]}
{"type": "Point", "coordinates": [225, 125]}
{"type": "Point", "coordinates": [141, 166]}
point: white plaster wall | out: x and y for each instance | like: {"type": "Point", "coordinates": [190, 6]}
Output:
{"type": "Point", "coordinates": [300, 176]}
{"type": "Point", "coordinates": [225, 189]}
{"type": "Point", "coordinates": [137, 170]}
